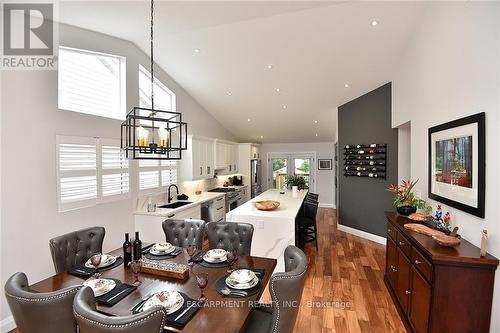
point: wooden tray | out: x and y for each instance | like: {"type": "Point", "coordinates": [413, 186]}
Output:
{"type": "Point", "coordinates": [163, 268]}
{"type": "Point", "coordinates": [446, 240]}
{"type": "Point", "coordinates": [266, 204]}
{"type": "Point", "coordinates": [440, 237]}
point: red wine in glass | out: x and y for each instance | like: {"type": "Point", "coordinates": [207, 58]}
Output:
{"type": "Point", "coordinates": [202, 280]}
{"type": "Point", "coordinates": [95, 260]}
{"type": "Point", "coordinates": [136, 265]}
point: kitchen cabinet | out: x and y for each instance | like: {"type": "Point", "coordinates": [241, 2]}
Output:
{"type": "Point", "coordinates": [255, 152]}
{"type": "Point", "coordinates": [226, 156]}
{"type": "Point", "coordinates": [437, 289]}
{"type": "Point", "coordinates": [198, 160]}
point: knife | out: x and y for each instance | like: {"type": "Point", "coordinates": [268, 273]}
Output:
{"type": "Point", "coordinates": [185, 311]}
{"type": "Point", "coordinates": [112, 298]}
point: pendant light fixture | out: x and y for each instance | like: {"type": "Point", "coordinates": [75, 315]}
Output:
{"type": "Point", "coordinates": [153, 134]}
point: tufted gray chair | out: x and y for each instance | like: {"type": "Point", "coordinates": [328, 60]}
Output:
{"type": "Point", "coordinates": [286, 293]}
{"type": "Point", "coordinates": [91, 321]}
{"type": "Point", "coordinates": [40, 312]}
{"type": "Point", "coordinates": [184, 232]}
{"type": "Point", "coordinates": [74, 248]}
{"type": "Point", "coordinates": [230, 236]}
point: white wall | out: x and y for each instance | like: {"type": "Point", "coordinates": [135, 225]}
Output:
{"type": "Point", "coordinates": [404, 151]}
{"type": "Point", "coordinates": [324, 178]}
{"type": "Point", "coordinates": [30, 122]}
{"type": "Point", "coordinates": [450, 70]}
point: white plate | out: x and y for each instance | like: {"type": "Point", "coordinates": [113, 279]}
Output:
{"type": "Point", "coordinates": [214, 261]}
{"type": "Point", "coordinates": [100, 286]}
{"type": "Point", "coordinates": [159, 250]}
{"type": "Point", "coordinates": [171, 300]}
{"type": "Point", "coordinates": [243, 276]}
{"type": "Point", "coordinates": [242, 286]}
{"type": "Point", "coordinates": [106, 260]}
{"type": "Point", "coordinates": [215, 256]}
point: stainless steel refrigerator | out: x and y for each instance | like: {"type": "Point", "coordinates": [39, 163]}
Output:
{"type": "Point", "coordinates": [256, 176]}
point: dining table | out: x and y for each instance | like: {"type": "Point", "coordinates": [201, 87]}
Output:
{"type": "Point", "coordinates": [219, 313]}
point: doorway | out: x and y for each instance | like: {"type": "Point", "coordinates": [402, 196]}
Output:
{"type": "Point", "coordinates": [282, 165]}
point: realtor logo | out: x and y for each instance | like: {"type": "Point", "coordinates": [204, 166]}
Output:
{"type": "Point", "coordinates": [28, 36]}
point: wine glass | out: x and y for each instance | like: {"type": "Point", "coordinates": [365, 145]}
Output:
{"type": "Point", "coordinates": [190, 249]}
{"type": "Point", "coordinates": [202, 280]}
{"type": "Point", "coordinates": [95, 260]}
{"type": "Point", "coordinates": [136, 269]}
{"type": "Point", "coordinates": [231, 259]}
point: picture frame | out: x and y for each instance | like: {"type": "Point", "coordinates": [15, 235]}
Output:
{"type": "Point", "coordinates": [325, 163]}
{"type": "Point", "coordinates": [456, 164]}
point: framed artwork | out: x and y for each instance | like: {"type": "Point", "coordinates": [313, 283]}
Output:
{"type": "Point", "coordinates": [324, 164]}
{"type": "Point", "coordinates": [457, 163]}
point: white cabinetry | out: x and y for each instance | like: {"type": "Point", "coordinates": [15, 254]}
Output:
{"type": "Point", "coordinates": [198, 162]}
{"type": "Point", "coordinates": [226, 156]}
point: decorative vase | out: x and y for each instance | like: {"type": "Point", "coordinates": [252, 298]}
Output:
{"type": "Point", "coordinates": [406, 210]}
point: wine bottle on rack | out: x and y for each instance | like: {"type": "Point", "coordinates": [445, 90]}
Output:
{"type": "Point", "coordinates": [137, 247]}
{"type": "Point", "coordinates": [127, 251]}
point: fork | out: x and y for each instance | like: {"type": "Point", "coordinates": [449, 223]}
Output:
{"type": "Point", "coordinates": [141, 303]}
{"type": "Point", "coordinates": [228, 292]}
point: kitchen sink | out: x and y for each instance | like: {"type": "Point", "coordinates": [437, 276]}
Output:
{"type": "Point", "coordinates": [176, 204]}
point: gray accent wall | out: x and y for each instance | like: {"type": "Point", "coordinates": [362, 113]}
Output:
{"type": "Point", "coordinates": [365, 120]}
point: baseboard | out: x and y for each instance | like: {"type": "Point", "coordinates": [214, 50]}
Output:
{"type": "Point", "coordinates": [7, 324]}
{"type": "Point", "coordinates": [362, 234]}
{"type": "Point", "coordinates": [326, 205]}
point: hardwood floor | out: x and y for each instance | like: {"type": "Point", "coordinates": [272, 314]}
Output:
{"type": "Point", "coordinates": [344, 290]}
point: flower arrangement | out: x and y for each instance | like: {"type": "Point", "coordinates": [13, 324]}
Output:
{"type": "Point", "coordinates": [405, 197]}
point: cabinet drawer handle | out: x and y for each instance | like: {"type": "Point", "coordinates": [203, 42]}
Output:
{"type": "Point", "coordinates": [220, 208]}
{"type": "Point", "coordinates": [417, 262]}
{"type": "Point", "coordinates": [201, 171]}
{"type": "Point", "coordinates": [389, 230]}
{"type": "Point", "coordinates": [393, 268]}
{"type": "Point", "coordinates": [407, 292]}
{"type": "Point", "coordinates": [208, 170]}
{"type": "Point", "coordinates": [401, 243]}
{"type": "Point", "coordinates": [220, 198]}
{"type": "Point", "coordinates": [171, 215]}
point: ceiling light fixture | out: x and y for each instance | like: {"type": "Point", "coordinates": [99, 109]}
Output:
{"type": "Point", "coordinates": [262, 137]}
{"type": "Point", "coordinates": [229, 93]}
{"type": "Point", "coordinates": [197, 50]}
{"type": "Point", "coordinates": [346, 85]}
{"type": "Point", "coordinates": [269, 66]}
{"type": "Point", "coordinates": [151, 133]}
{"type": "Point", "coordinates": [316, 134]}
{"type": "Point", "coordinates": [374, 23]}
{"type": "Point", "coordinates": [249, 119]}
{"type": "Point", "coordinates": [315, 121]}
{"type": "Point", "coordinates": [277, 89]}
{"type": "Point", "coordinates": [284, 107]}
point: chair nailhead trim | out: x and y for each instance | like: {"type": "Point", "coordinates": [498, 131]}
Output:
{"type": "Point", "coordinates": [44, 299]}
{"type": "Point", "coordinates": [278, 276]}
{"type": "Point", "coordinates": [125, 325]}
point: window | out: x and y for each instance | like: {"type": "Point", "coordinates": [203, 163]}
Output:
{"type": "Point", "coordinates": [154, 174]}
{"type": "Point", "coordinates": [90, 171]}
{"type": "Point", "coordinates": [92, 83]}
{"type": "Point", "coordinates": [164, 98]}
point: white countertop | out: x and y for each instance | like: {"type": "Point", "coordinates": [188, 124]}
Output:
{"type": "Point", "coordinates": [290, 204]}
{"type": "Point", "coordinates": [193, 198]}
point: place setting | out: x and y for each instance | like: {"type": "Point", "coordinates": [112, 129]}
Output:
{"type": "Point", "coordinates": [97, 263]}
{"type": "Point", "coordinates": [215, 258]}
{"type": "Point", "coordinates": [161, 251]}
{"type": "Point", "coordinates": [241, 282]}
{"type": "Point", "coordinates": [108, 292]}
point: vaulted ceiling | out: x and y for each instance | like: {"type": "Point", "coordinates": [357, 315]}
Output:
{"type": "Point", "coordinates": [321, 55]}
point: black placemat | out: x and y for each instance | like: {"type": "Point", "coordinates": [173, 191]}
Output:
{"type": "Point", "coordinates": [221, 284]}
{"type": "Point", "coordinates": [174, 254]}
{"type": "Point", "coordinates": [198, 257]}
{"type": "Point", "coordinates": [146, 248]}
{"type": "Point", "coordinates": [186, 317]}
{"type": "Point", "coordinates": [85, 272]}
{"type": "Point", "coordinates": [213, 265]}
{"type": "Point", "coordinates": [121, 289]}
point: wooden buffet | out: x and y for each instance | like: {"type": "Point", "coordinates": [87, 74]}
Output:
{"type": "Point", "coordinates": [435, 288]}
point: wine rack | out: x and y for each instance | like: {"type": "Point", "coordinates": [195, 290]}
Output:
{"type": "Point", "coordinates": [365, 160]}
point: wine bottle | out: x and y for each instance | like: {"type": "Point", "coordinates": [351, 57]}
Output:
{"type": "Point", "coordinates": [137, 247]}
{"type": "Point", "coordinates": [127, 251]}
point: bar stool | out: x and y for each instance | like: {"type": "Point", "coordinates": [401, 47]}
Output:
{"type": "Point", "coordinates": [306, 223]}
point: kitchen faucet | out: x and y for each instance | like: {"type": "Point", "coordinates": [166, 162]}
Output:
{"type": "Point", "coordinates": [169, 199]}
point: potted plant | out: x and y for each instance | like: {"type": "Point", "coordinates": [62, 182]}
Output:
{"type": "Point", "coordinates": [298, 181]}
{"type": "Point", "coordinates": [405, 200]}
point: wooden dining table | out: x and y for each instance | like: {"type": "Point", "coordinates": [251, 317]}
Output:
{"type": "Point", "coordinates": [219, 313]}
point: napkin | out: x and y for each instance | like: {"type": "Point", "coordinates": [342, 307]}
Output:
{"type": "Point", "coordinates": [121, 289]}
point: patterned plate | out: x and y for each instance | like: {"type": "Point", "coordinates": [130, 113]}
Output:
{"type": "Point", "coordinates": [215, 256]}
{"type": "Point", "coordinates": [231, 282]}
{"type": "Point", "coordinates": [171, 300]}
{"type": "Point", "coordinates": [100, 286]}
{"type": "Point", "coordinates": [161, 249]}
{"type": "Point", "coordinates": [106, 260]}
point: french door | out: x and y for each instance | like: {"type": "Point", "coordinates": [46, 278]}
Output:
{"type": "Point", "coordinates": [281, 165]}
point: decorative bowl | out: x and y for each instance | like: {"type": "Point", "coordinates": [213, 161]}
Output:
{"type": "Point", "coordinates": [266, 204]}
{"type": "Point", "coordinates": [406, 210]}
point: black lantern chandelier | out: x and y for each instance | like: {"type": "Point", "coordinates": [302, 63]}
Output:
{"type": "Point", "coordinates": [153, 134]}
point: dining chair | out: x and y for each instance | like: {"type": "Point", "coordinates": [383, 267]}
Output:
{"type": "Point", "coordinates": [74, 248]}
{"type": "Point", "coordinates": [184, 232]}
{"type": "Point", "coordinates": [91, 321]}
{"type": "Point", "coordinates": [312, 196]}
{"type": "Point", "coordinates": [230, 236]}
{"type": "Point", "coordinates": [307, 223]}
{"type": "Point", "coordinates": [286, 293]}
{"type": "Point", "coordinates": [40, 312]}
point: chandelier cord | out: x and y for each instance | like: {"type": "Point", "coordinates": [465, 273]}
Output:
{"type": "Point", "coordinates": [152, 64]}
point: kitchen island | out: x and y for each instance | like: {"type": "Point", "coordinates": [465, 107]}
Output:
{"type": "Point", "coordinates": [273, 230]}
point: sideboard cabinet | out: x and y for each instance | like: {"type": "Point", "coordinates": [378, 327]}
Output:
{"type": "Point", "coordinates": [435, 288]}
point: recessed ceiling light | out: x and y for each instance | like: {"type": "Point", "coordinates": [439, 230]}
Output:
{"type": "Point", "coordinates": [262, 137]}
{"type": "Point", "coordinates": [346, 85]}
{"type": "Point", "coordinates": [316, 134]}
{"type": "Point", "coordinates": [277, 89]}
{"type": "Point", "coordinates": [284, 106]}
{"type": "Point", "coordinates": [229, 93]}
{"type": "Point", "coordinates": [269, 66]}
{"type": "Point", "coordinates": [315, 121]}
{"type": "Point", "coordinates": [197, 50]}
{"type": "Point", "coordinates": [249, 119]}
{"type": "Point", "coordinates": [374, 23]}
